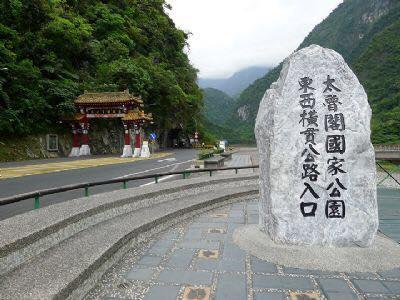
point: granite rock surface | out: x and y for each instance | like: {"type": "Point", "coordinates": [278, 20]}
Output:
{"type": "Point", "coordinates": [317, 163]}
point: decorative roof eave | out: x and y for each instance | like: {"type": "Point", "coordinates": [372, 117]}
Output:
{"type": "Point", "coordinates": [107, 99]}
{"type": "Point", "coordinates": [75, 117]}
{"type": "Point", "coordinates": [136, 115]}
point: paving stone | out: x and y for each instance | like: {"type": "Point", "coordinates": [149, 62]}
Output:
{"type": "Point", "coordinates": [171, 235]}
{"type": "Point", "coordinates": [215, 236]}
{"type": "Point", "coordinates": [150, 260]}
{"type": "Point", "coordinates": [238, 206]}
{"type": "Point", "coordinates": [196, 293]}
{"type": "Point", "coordinates": [341, 296]}
{"type": "Point", "coordinates": [288, 270]}
{"type": "Point", "coordinates": [215, 231]}
{"type": "Point", "coordinates": [237, 211]}
{"type": "Point", "coordinates": [269, 296]}
{"type": "Point", "coordinates": [370, 286]}
{"type": "Point", "coordinates": [164, 243]}
{"type": "Point", "coordinates": [393, 286]}
{"type": "Point", "coordinates": [193, 234]}
{"type": "Point", "coordinates": [139, 274]}
{"type": "Point", "coordinates": [199, 245]}
{"type": "Point", "coordinates": [230, 265]}
{"type": "Point", "coordinates": [395, 273]}
{"type": "Point", "coordinates": [309, 295]}
{"type": "Point", "coordinates": [231, 287]}
{"type": "Point", "coordinates": [281, 282]}
{"type": "Point", "coordinates": [181, 258]}
{"type": "Point", "coordinates": [252, 219]}
{"type": "Point", "coordinates": [232, 227]}
{"type": "Point", "coordinates": [208, 254]}
{"type": "Point", "coordinates": [260, 266]}
{"type": "Point", "coordinates": [216, 221]}
{"type": "Point", "coordinates": [231, 251]}
{"type": "Point", "coordinates": [158, 251]}
{"type": "Point", "coordinates": [363, 275]}
{"type": "Point", "coordinates": [207, 264]}
{"type": "Point", "coordinates": [162, 292]}
{"type": "Point", "coordinates": [186, 277]}
{"type": "Point", "coordinates": [238, 220]}
{"type": "Point", "coordinates": [334, 285]}
{"type": "Point", "coordinates": [252, 210]}
{"type": "Point", "coordinates": [113, 298]}
{"type": "Point", "coordinates": [208, 225]}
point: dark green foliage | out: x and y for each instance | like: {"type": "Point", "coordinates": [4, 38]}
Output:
{"type": "Point", "coordinates": [366, 34]}
{"type": "Point", "coordinates": [217, 106]}
{"type": "Point", "coordinates": [379, 69]}
{"type": "Point", "coordinates": [50, 51]}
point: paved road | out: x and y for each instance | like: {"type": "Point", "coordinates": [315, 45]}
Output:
{"type": "Point", "coordinates": [179, 160]}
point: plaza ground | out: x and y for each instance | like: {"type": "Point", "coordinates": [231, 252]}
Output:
{"type": "Point", "coordinates": [198, 260]}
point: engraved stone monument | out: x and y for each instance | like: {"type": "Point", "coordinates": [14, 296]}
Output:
{"type": "Point", "coordinates": [317, 163]}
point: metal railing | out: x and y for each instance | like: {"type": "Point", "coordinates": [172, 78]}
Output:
{"type": "Point", "coordinates": [86, 185]}
{"type": "Point", "coordinates": [388, 174]}
{"type": "Point", "coordinates": [387, 148]}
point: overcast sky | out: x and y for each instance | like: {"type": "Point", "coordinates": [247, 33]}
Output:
{"type": "Point", "coordinates": [229, 35]}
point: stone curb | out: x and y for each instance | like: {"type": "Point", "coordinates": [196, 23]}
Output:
{"type": "Point", "coordinates": [40, 237]}
{"type": "Point", "coordinates": [42, 277]}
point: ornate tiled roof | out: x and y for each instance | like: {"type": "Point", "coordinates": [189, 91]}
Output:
{"type": "Point", "coordinates": [107, 97]}
{"type": "Point", "coordinates": [136, 114]}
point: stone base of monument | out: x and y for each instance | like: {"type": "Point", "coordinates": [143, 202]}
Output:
{"type": "Point", "coordinates": [383, 255]}
{"type": "Point", "coordinates": [74, 152]}
{"type": "Point", "coordinates": [84, 150]}
{"type": "Point", "coordinates": [127, 151]}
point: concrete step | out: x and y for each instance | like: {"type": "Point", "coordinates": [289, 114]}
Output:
{"type": "Point", "coordinates": [27, 235]}
{"type": "Point", "coordinates": [70, 268]}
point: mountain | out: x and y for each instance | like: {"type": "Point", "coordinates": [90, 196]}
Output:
{"type": "Point", "coordinates": [235, 84]}
{"type": "Point", "coordinates": [379, 69]}
{"type": "Point", "coordinates": [366, 33]}
{"type": "Point", "coordinates": [217, 106]}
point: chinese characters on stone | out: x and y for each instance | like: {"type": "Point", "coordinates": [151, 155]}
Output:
{"type": "Point", "coordinates": [335, 144]}
{"type": "Point", "coordinates": [309, 123]}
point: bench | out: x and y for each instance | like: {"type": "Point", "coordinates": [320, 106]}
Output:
{"type": "Point", "coordinates": [214, 162]}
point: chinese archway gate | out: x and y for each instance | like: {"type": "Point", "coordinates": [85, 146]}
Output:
{"type": "Point", "coordinates": [108, 105]}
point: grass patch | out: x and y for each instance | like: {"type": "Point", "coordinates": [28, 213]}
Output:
{"type": "Point", "coordinates": [389, 166]}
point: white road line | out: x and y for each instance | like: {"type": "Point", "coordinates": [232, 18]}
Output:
{"type": "Point", "coordinates": [163, 178]}
{"type": "Point", "coordinates": [163, 167]}
{"type": "Point", "coordinates": [167, 159]}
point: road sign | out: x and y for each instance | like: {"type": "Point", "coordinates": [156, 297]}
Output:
{"type": "Point", "coordinates": [153, 136]}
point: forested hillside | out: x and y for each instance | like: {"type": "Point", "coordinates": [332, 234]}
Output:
{"type": "Point", "coordinates": [217, 106]}
{"type": "Point", "coordinates": [366, 33]}
{"type": "Point", "coordinates": [51, 51]}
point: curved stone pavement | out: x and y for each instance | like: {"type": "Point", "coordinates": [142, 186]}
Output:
{"type": "Point", "coordinates": [198, 260]}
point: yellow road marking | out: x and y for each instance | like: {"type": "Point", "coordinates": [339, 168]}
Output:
{"type": "Point", "coordinates": [71, 165]}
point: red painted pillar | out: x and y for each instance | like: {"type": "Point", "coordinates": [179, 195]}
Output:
{"type": "Point", "coordinates": [75, 151]}
{"type": "Point", "coordinates": [138, 138]}
{"type": "Point", "coordinates": [127, 136]}
{"type": "Point", "coordinates": [85, 133]}
{"type": "Point", "coordinates": [75, 139]}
